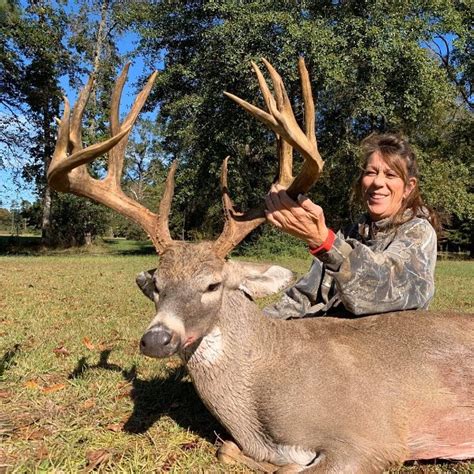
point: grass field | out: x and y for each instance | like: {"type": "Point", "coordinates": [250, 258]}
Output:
{"type": "Point", "coordinates": [75, 393]}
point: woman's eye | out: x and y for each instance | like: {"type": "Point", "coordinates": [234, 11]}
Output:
{"type": "Point", "coordinates": [369, 173]}
{"type": "Point", "coordinates": [392, 175]}
{"type": "Point", "coordinates": [213, 287]}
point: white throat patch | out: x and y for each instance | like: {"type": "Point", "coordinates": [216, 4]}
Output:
{"type": "Point", "coordinates": [209, 350]}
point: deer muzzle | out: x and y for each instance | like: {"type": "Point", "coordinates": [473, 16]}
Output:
{"type": "Point", "coordinates": [159, 341]}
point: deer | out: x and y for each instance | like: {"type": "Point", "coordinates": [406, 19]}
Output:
{"type": "Point", "coordinates": [324, 394]}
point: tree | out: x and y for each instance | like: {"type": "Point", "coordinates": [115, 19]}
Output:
{"type": "Point", "coordinates": [369, 71]}
{"type": "Point", "coordinates": [5, 219]}
{"type": "Point", "coordinates": [34, 38]}
{"type": "Point", "coordinates": [42, 44]}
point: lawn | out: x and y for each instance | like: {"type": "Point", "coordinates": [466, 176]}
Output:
{"type": "Point", "coordinates": [77, 396]}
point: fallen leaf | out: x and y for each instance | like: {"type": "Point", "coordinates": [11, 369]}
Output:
{"type": "Point", "coordinates": [122, 395]}
{"type": "Point", "coordinates": [115, 427]}
{"type": "Point", "coordinates": [189, 446]}
{"type": "Point", "coordinates": [86, 341]}
{"type": "Point", "coordinates": [97, 457]}
{"type": "Point", "coordinates": [32, 384]}
{"type": "Point", "coordinates": [5, 394]}
{"type": "Point", "coordinates": [41, 452]}
{"type": "Point", "coordinates": [35, 434]}
{"type": "Point", "coordinates": [54, 388]}
{"type": "Point", "coordinates": [90, 403]}
{"type": "Point", "coordinates": [61, 351]}
{"type": "Point", "coordinates": [169, 461]}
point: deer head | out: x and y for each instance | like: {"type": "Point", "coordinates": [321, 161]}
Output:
{"type": "Point", "coordinates": [192, 278]}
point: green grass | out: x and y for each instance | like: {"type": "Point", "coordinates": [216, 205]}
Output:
{"type": "Point", "coordinates": [76, 395]}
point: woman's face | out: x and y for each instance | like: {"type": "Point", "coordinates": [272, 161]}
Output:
{"type": "Point", "coordinates": [383, 189]}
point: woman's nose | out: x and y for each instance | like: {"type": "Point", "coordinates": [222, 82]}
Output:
{"type": "Point", "coordinates": [379, 179]}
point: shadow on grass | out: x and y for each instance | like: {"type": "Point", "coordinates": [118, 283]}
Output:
{"type": "Point", "coordinates": [7, 359]}
{"type": "Point", "coordinates": [173, 396]}
{"type": "Point", "coordinates": [129, 247]}
{"type": "Point", "coordinates": [32, 245]}
{"type": "Point", "coordinates": [19, 245]}
{"type": "Point", "coordinates": [83, 366]}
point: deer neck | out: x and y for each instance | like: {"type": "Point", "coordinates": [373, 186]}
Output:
{"type": "Point", "coordinates": [239, 331]}
{"type": "Point", "coordinates": [223, 363]}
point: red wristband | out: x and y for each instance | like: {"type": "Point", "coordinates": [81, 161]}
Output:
{"type": "Point", "coordinates": [326, 245]}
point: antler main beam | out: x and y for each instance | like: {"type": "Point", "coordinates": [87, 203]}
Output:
{"type": "Point", "coordinates": [68, 169]}
{"type": "Point", "coordinates": [281, 119]}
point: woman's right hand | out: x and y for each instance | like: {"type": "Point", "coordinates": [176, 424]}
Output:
{"type": "Point", "coordinates": [302, 219]}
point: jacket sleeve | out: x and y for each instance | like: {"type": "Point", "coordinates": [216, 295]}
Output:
{"type": "Point", "coordinates": [400, 277]}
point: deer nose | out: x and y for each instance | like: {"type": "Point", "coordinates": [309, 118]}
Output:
{"type": "Point", "coordinates": [157, 342]}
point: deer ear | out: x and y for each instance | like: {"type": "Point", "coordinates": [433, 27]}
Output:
{"type": "Point", "coordinates": [259, 279]}
{"type": "Point", "coordinates": [146, 283]}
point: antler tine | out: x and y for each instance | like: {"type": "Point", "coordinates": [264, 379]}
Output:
{"type": "Point", "coordinates": [237, 225]}
{"type": "Point", "coordinates": [75, 134]}
{"type": "Point", "coordinates": [284, 149]}
{"type": "Point", "coordinates": [115, 100]}
{"type": "Point", "coordinates": [162, 231]}
{"type": "Point", "coordinates": [309, 108]}
{"type": "Point", "coordinates": [62, 143]}
{"type": "Point", "coordinates": [117, 154]}
{"type": "Point", "coordinates": [285, 158]}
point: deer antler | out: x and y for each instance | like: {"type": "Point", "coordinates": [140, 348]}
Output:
{"type": "Point", "coordinates": [281, 120]}
{"type": "Point", "coordinates": [68, 171]}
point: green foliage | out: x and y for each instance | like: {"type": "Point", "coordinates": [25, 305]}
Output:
{"type": "Point", "coordinates": [374, 66]}
{"type": "Point", "coordinates": [32, 212]}
{"type": "Point", "coordinates": [75, 219]}
{"type": "Point", "coordinates": [370, 67]}
{"type": "Point", "coordinates": [272, 242]}
{"type": "Point", "coordinates": [42, 44]}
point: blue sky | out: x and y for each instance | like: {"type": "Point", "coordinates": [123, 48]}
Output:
{"type": "Point", "coordinates": [13, 189]}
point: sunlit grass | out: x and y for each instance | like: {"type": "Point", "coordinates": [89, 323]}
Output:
{"type": "Point", "coordinates": [75, 393]}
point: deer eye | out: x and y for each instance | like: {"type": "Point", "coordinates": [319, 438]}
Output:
{"type": "Point", "coordinates": [213, 287]}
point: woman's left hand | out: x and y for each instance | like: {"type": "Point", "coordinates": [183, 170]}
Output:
{"type": "Point", "coordinates": [302, 219]}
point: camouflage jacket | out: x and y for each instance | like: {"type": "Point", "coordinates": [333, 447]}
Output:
{"type": "Point", "coordinates": [371, 268]}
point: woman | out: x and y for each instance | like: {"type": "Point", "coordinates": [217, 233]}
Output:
{"type": "Point", "coordinates": [384, 262]}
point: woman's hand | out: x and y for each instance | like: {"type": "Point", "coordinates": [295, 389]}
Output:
{"type": "Point", "coordinates": [302, 219]}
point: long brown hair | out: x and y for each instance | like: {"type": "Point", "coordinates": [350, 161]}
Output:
{"type": "Point", "coordinates": [397, 152]}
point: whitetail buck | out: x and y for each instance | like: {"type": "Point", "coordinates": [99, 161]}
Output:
{"type": "Point", "coordinates": [323, 394]}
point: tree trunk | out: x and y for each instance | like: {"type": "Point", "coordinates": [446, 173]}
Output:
{"type": "Point", "coordinates": [46, 237]}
